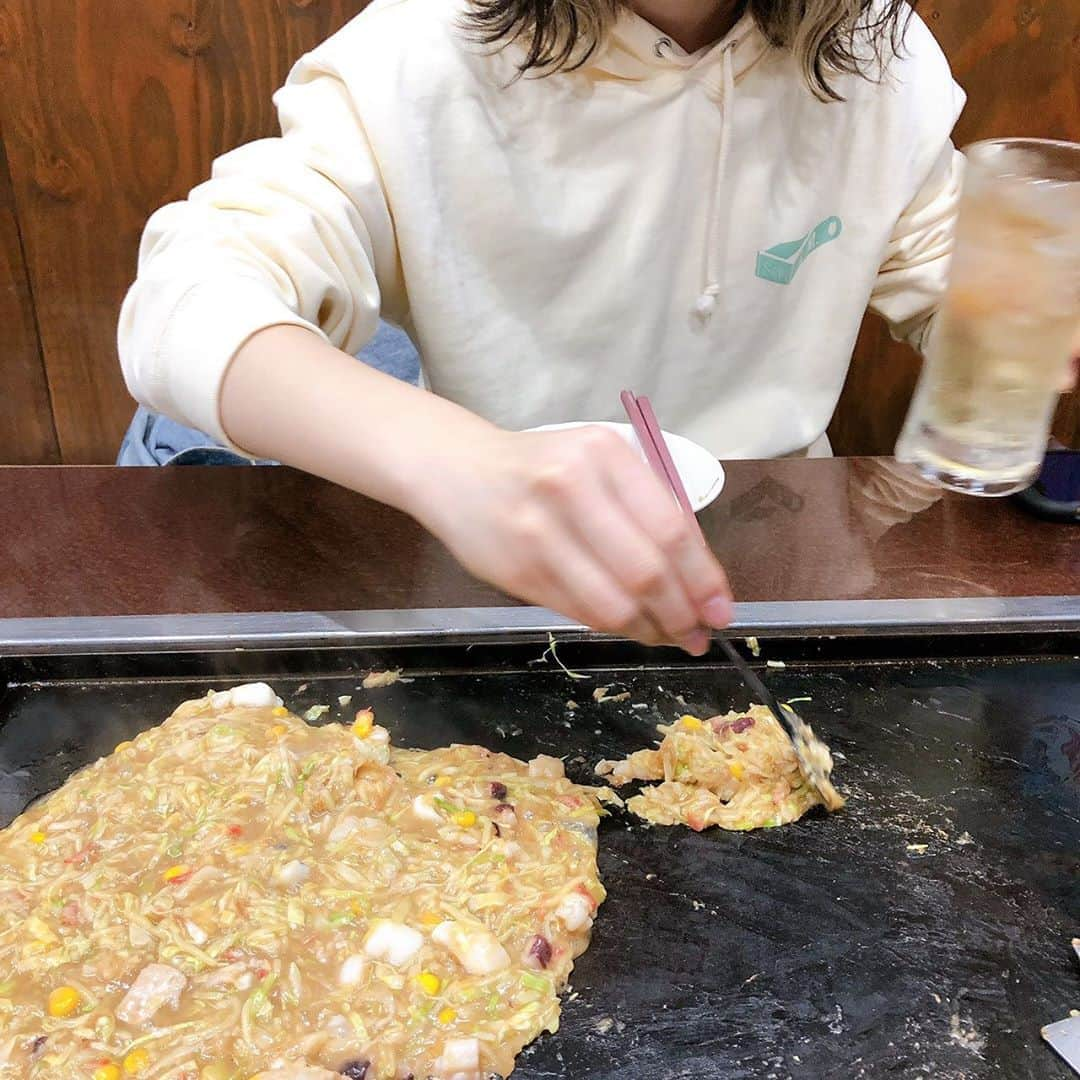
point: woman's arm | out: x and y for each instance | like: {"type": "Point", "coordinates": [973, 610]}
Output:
{"type": "Point", "coordinates": [290, 230]}
{"type": "Point", "coordinates": [915, 271]}
{"type": "Point", "coordinates": [572, 521]}
{"type": "Point", "coordinates": [247, 292]}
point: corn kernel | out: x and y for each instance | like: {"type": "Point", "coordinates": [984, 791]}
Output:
{"type": "Point", "coordinates": [431, 918]}
{"type": "Point", "coordinates": [429, 982]}
{"type": "Point", "coordinates": [447, 1016]}
{"type": "Point", "coordinates": [363, 724]}
{"type": "Point", "coordinates": [737, 770]}
{"type": "Point", "coordinates": [279, 710]}
{"type": "Point", "coordinates": [136, 1061]}
{"type": "Point", "coordinates": [691, 723]}
{"type": "Point", "coordinates": [443, 781]}
{"type": "Point", "coordinates": [278, 730]}
{"type": "Point", "coordinates": [37, 838]}
{"type": "Point", "coordinates": [64, 1000]}
{"type": "Point", "coordinates": [175, 872]}
{"type": "Point", "coordinates": [121, 747]}
{"type": "Point", "coordinates": [466, 819]}
{"type": "Point", "coordinates": [107, 1072]}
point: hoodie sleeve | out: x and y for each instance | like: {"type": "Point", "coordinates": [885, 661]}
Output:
{"type": "Point", "coordinates": [293, 230]}
{"type": "Point", "coordinates": [913, 276]}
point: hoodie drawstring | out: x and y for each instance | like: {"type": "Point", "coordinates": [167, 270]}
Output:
{"type": "Point", "coordinates": [705, 304]}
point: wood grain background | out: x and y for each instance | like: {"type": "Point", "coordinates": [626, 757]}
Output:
{"type": "Point", "coordinates": [112, 107]}
{"type": "Point", "coordinates": [27, 434]}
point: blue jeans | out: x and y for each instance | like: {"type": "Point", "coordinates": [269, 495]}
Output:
{"type": "Point", "coordinates": [153, 439]}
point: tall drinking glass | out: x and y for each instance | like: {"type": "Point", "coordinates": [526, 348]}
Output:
{"type": "Point", "coordinates": [999, 354]}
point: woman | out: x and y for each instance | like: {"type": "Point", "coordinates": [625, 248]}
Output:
{"type": "Point", "coordinates": [557, 199]}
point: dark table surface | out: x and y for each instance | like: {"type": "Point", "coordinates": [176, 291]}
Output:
{"type": "Point", "coordinates": [104, 541]}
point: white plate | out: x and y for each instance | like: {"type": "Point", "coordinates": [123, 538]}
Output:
{"type": "Point", "coordinates": [702, 475]}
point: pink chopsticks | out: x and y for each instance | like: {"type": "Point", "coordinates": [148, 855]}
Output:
{"type": "Point", "coordinates": [643, 421]}
{"type": "Point", "coordinates": [640, 413]}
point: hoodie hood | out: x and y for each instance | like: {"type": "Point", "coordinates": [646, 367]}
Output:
{"type": "Point", "coordinates": [637, 51]}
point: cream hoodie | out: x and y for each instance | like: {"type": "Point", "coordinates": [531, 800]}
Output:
{"type": "Point", "coordinates": [695, 227]}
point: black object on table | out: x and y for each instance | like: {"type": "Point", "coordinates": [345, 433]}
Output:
{"type": "Point", "coordinates": [1055, 495]}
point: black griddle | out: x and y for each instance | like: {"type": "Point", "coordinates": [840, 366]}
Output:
{"type": "Point", "coordinates": [921, 932]}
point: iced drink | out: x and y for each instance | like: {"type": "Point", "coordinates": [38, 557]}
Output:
{"type": "Point", "coordinates": [1000, 350]}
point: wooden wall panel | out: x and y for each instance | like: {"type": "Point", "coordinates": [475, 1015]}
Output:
{"type": "Point", "coordinates": [1019, 61]}
{"type": "Point", "coordinates": [235, 94]}
{"type": "Point", "coordinates": [121, 107]}
{"type": "Point", "coordinates": [27, 436]}
{"type": "Point", "coordinates": [94, 142]}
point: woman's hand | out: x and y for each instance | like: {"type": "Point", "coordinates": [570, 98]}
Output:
{"type": "Point", "coordinates": [575, 521]}
{"type": "Point", "coordinates": [1074, 371]}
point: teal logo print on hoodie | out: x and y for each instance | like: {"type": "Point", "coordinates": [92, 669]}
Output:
{"type": "Point", "coordinates": [781, 263]}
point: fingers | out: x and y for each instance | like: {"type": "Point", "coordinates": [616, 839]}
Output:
{"type": "Point", "coordinates": [567, 576]}
{"type": "Point", "coordinates": [574, 521]}
{"type": "Point", "coordinates": [1072, 377]}
{"type": "Point", "coordinates": [630, 557]}
{"type": "Point", "coordinates": [635, 533]}
{"type": "Point", "coordinates": [679, 540]}
{"type": "Point", "coordinates": [1071, 380]}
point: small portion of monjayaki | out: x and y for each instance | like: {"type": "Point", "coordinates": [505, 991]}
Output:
{"type": "Point", "coordinates": [737, 771]}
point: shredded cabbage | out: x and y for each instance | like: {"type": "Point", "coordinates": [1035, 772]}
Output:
{"type": "Point", "coordinates": [235, 862]}
{"type": "Point", "coordinates": [737, 771]}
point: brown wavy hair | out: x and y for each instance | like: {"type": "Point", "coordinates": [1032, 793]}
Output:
{"type": "Point", "coordinates": [828, 37]}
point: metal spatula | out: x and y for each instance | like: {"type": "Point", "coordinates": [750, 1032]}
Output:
{"type": "Point", "coordinates": [1064, 1037]}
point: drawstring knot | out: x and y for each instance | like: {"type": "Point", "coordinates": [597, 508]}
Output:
{"type": "Point", "coordinates": [705, 304]}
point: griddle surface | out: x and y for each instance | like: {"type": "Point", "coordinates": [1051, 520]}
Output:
{"type": "Point", "coordinates": [835, 947]}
